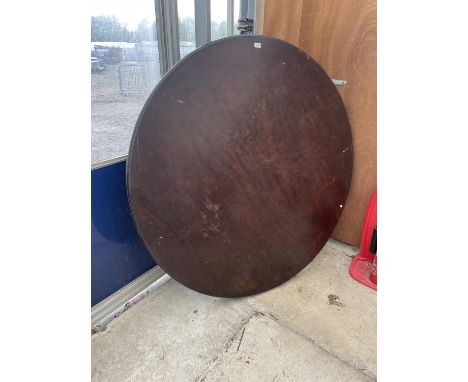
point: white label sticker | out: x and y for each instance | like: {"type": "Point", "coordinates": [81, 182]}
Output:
{"type": "Point", "coordinates": [257, 44]}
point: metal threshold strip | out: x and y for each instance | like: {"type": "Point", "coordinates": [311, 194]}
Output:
{"type": "Point", "coordinates": [108, 162]}
{"type": "Point", "coordinates": [114, 305]}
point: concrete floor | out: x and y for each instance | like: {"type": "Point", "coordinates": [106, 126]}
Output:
{"type": "Point", "coordinates": [319, 326]}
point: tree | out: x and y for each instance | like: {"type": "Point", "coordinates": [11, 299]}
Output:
{"type": "Point", "coordinates": [146, 31]}
{"type": "Point", "coordinates": [214, 30]}
{"type": "Point", "coordinates": [218, 30]}
{"type": "Point", "coordinates": [222, 29]}
{"type": "Point", "coordinates": [108, 28]}
{"type": "Point", "coordinates": [187, 29]}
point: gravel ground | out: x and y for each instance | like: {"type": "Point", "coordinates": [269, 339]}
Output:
{"type": "Point", "coordinates": [113, 115]}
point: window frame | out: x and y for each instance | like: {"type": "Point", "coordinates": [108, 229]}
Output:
{"type": "Point", "coordinates": [167, 27]}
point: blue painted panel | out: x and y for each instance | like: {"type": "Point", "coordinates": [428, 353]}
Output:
{"type": "Point", "coordinates": [118, 256]}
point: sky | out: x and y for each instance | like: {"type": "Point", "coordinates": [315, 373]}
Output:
{"type": "Point", "coordinates": [132, 11]}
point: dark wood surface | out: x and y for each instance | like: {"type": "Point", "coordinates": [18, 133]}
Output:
{"type": "Point", "coordinates": [239, 166]}
{"type": "Point", "coordinates": [342, 38]}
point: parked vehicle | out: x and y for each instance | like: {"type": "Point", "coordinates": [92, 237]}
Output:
{"type": "Point", "coordinates": [110, 54]}
{"type": "Point", "coordinates": [97, 66]}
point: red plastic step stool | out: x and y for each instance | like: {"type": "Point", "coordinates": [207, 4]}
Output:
{"type": "Point", "coordinates": [363, 267]}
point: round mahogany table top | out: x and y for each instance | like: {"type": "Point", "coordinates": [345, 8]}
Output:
{"type": "Point", "coordinates": [239, 166]}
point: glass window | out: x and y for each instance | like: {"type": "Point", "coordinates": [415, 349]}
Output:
{"type": "Point", "coordinates": [236, 16]}
{"type": "Point", "coordinates": [218, 19]}
{"type": "Point", "coordinates": [124, 70]}
{"type": "Point", "coordinates": [186, 14]}
{"type": "Point", "coordinates": [125, 65]}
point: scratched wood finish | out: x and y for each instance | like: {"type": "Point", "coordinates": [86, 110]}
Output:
{"type": "Point", "coordinates": [341, 36]}
{"type": "Point", "coordinates": [238, 167]}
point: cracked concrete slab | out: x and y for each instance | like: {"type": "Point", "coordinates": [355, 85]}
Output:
{"type": "Point", "coordinates": [325, 304]}
{"type": "Point", "coordinates": [319, 324]}
{"type": "Point", "coordinates": [271, 352]}
{"type": "Point", "coordinates": [173, 334]}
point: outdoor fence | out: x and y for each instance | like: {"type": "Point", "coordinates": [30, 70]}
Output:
{"type": "Point", "coordinates": [138, 65]}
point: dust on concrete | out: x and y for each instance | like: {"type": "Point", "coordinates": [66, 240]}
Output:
{"type": "Point", "coordinates": [333, 299]}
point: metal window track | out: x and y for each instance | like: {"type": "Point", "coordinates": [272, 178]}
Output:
{"type": "Point", "coordinates": [117, 303]}
{"type": "Point", "coordinates": [202, 22]}
{"type": "Point", "coordinates": [230, 17]}
{"type": "Point", "coordinates": [167, 25]}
